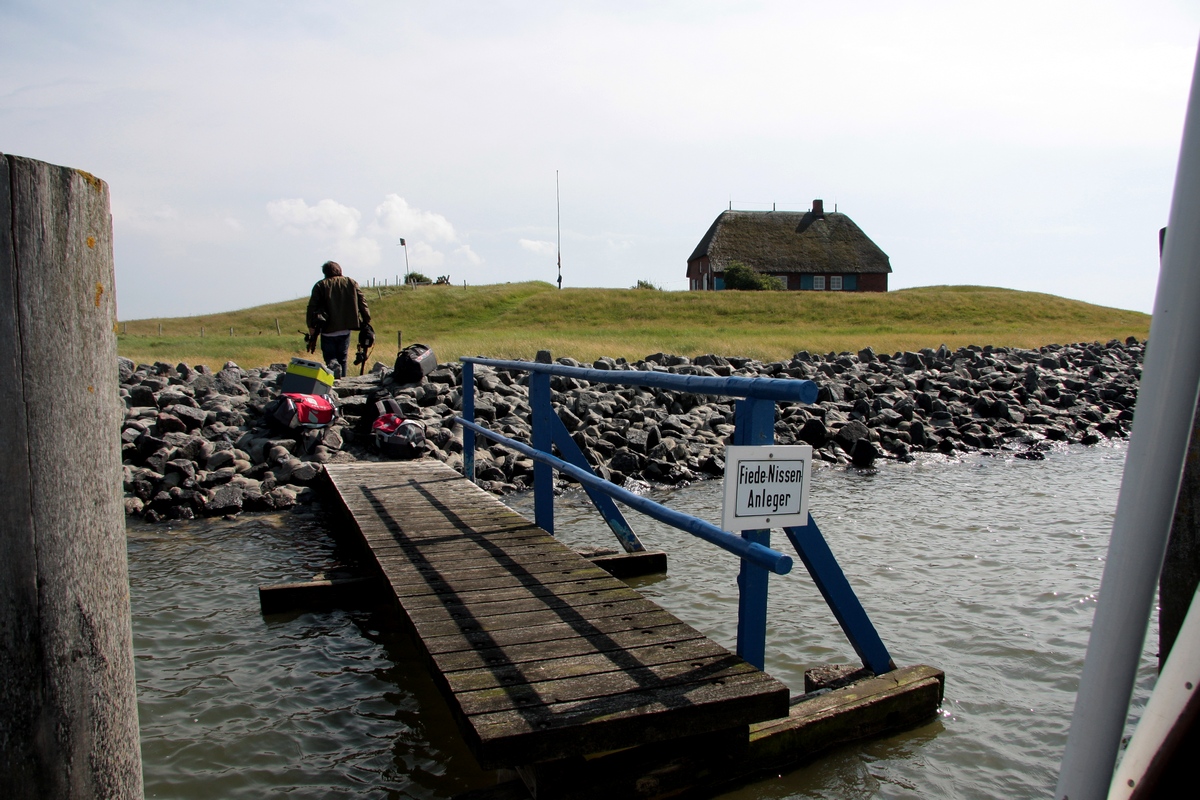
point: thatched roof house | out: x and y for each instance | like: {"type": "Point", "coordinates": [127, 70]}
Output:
{"type": "Point", "coordinates": [809, 250]}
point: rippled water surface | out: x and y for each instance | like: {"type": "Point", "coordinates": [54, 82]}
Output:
{"type": "Point", "coordinates": [984, 567]}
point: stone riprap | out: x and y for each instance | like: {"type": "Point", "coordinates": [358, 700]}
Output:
{"type": "Point", "coordinates": [195, 442]}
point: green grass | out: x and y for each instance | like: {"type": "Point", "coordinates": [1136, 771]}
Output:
{"type": "Point", "coordinates": [516, 320]}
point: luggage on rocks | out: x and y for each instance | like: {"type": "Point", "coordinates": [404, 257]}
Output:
{"type": "Point", "coordinates": [306, 377]}
{"type": "Point", "coordinates": [292, 411]}
{"type": "Point", "coordinates": [393, 435]}
{"type": "Point", "coordinates": [413, 363]}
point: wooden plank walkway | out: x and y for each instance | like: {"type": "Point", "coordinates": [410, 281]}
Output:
{"type": "Point", "coordinates": [540, 654]}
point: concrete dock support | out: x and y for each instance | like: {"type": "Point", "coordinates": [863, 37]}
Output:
{"type": "Point", "coordinates": [68, 712]}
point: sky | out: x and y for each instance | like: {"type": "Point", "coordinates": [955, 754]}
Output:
{"type": "Point", "coordinates": [1026, 145]}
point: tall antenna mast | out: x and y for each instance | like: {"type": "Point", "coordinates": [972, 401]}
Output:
{"type": "Point", "coordinates": [558, 213]}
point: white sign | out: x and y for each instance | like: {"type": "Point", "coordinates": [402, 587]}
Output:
{"type": "Point", "coordinates": [766, 487]}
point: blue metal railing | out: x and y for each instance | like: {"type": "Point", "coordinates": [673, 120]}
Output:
{"type": "Point", "coordinates": [754, 424]}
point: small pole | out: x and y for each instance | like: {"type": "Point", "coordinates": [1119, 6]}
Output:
{"type": "Point", "coordinates": [160, 329]}
{"type": "Point", "coordinates": [201, 331]}
{"type": "Point", "coordinates": [407, 271]}
{"type": "Point", "coordinates": [277, 331]}
{"type": "Point", "coordinates": [399, 340]}
{"type": "Point", "coordinates": [558, 213]}
{"type": "Point", "coordinates": [231, 332]}
{"type": "Point", "coordinates": [125, 327]}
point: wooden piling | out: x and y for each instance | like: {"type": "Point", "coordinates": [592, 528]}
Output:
{"type": "Point", "coordinates": [68, 711]}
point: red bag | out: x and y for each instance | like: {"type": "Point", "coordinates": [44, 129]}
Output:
{"type": "Point", "coordinates": [303, 411]}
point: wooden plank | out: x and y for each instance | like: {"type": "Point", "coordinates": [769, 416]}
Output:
{"type": "Point", "coordinates": [401, 567]}
{"type": "Point", "coordinates": [468, 623]}
{"type": "Point", "coordinates": [579, 603]}
{"type": "Point", "coordinates": [517, 593]}
{"type": "Point", "coordinates": [699, 653]}
{"type": "Point", "coordinates": [537, 733]}
{"type": "Point", "coordinates": [319, 594]}
{"type": "Point", "coordinates": [414, 583]}
{"type": "Point", "coordinates": [898, 699]}
{"type": "Point", "coordinates": [632, 565]}
{"type": "Point", "coordinates": [895, 701]}
{"type": "Point", "coordinates": [591, 685]}
{"type": "Point", "coordinates": [517, 559]}
{"type": "Point", "coordinates": [500, 538]}
{"type": "Point", "coordinates": [450, 639]}
{"type": "Point", "coordinates": [665, 637]}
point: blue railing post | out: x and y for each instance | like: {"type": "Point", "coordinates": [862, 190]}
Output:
{"type": "Point", "coordinates": [543, 436]}
{"type": "Point", "coordinates": [468, 412]}
{"type": "Point", "coordinates": [831, 581]}
{"type": "Point", "coordinates": [571, 453]}
{"type": "Point", "coordinates": [754, 424]}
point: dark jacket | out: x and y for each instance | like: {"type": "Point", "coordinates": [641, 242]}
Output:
{"type": "Point", "coordinates": [341, 302]}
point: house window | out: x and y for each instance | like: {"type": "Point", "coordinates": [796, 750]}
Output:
{"type": "Point", "coordinates": [835, 283]}
{"type": "Point", "coordinates": [819, 283]}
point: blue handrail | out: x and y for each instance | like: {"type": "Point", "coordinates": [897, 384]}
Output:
{"type": "Point", "coordinates": [779, 389]}
{"type": "Point", "coordinates": [754, 424]}
{"type": "Point", "coordinates": [764, 557]}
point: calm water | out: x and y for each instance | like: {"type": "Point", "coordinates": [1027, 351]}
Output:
{"type": "Point", "coordinates": [985, 567]}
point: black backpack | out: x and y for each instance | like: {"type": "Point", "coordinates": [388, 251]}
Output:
{"type": "Point", "coordinates": [413, 363]}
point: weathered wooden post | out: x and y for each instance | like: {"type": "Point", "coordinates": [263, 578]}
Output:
{"type": "Point", "coordinates": [68, 711]}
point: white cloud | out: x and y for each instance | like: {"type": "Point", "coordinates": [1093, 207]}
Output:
{"type": "Point", "coordinates": [359, 251]}
{"type": "Point", "coordinates": [395, 217]}
{"type": "Point", "coordinates": [469, 255]}
{"type": "Point", "coordinates": [537, 246]}
{"type": "Point", "coordinates": [326, 218]}
{"type": "Point", "coordinates": [424, 257]}
{"type": "Point", "coordinates": [327, 221]}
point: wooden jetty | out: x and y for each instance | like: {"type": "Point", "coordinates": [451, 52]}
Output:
{"type": "Point", "coordinates": [548, 662]}
{"type": "Point", "coordinates": [540, 654]}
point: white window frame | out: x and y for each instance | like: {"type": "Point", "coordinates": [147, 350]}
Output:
{"type": "Point", "coordinates": [818, 283]}
{"type": "Point", "coordinates": [835, 283]}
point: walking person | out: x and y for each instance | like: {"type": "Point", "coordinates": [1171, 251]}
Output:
{"type": "Point", "coordinates": [335, 309]}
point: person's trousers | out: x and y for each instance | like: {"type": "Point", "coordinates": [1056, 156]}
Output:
{"type": "Point", "coordinates": [335, 350]}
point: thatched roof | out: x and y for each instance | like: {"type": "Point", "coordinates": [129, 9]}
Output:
{"type": "Point", "coordinates": [790, 241]}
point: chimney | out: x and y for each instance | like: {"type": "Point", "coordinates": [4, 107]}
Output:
{"type": "Point", "coordinates": [818, 209]}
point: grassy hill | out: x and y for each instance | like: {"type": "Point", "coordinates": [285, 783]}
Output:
{"type": "Point", "coordinates": [516, 320]}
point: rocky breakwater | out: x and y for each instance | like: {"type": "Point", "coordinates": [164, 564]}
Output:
{"type": "Point", "coordinates": [870, 406]}
{"type": "Point", "coordinates": [195, 442]}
